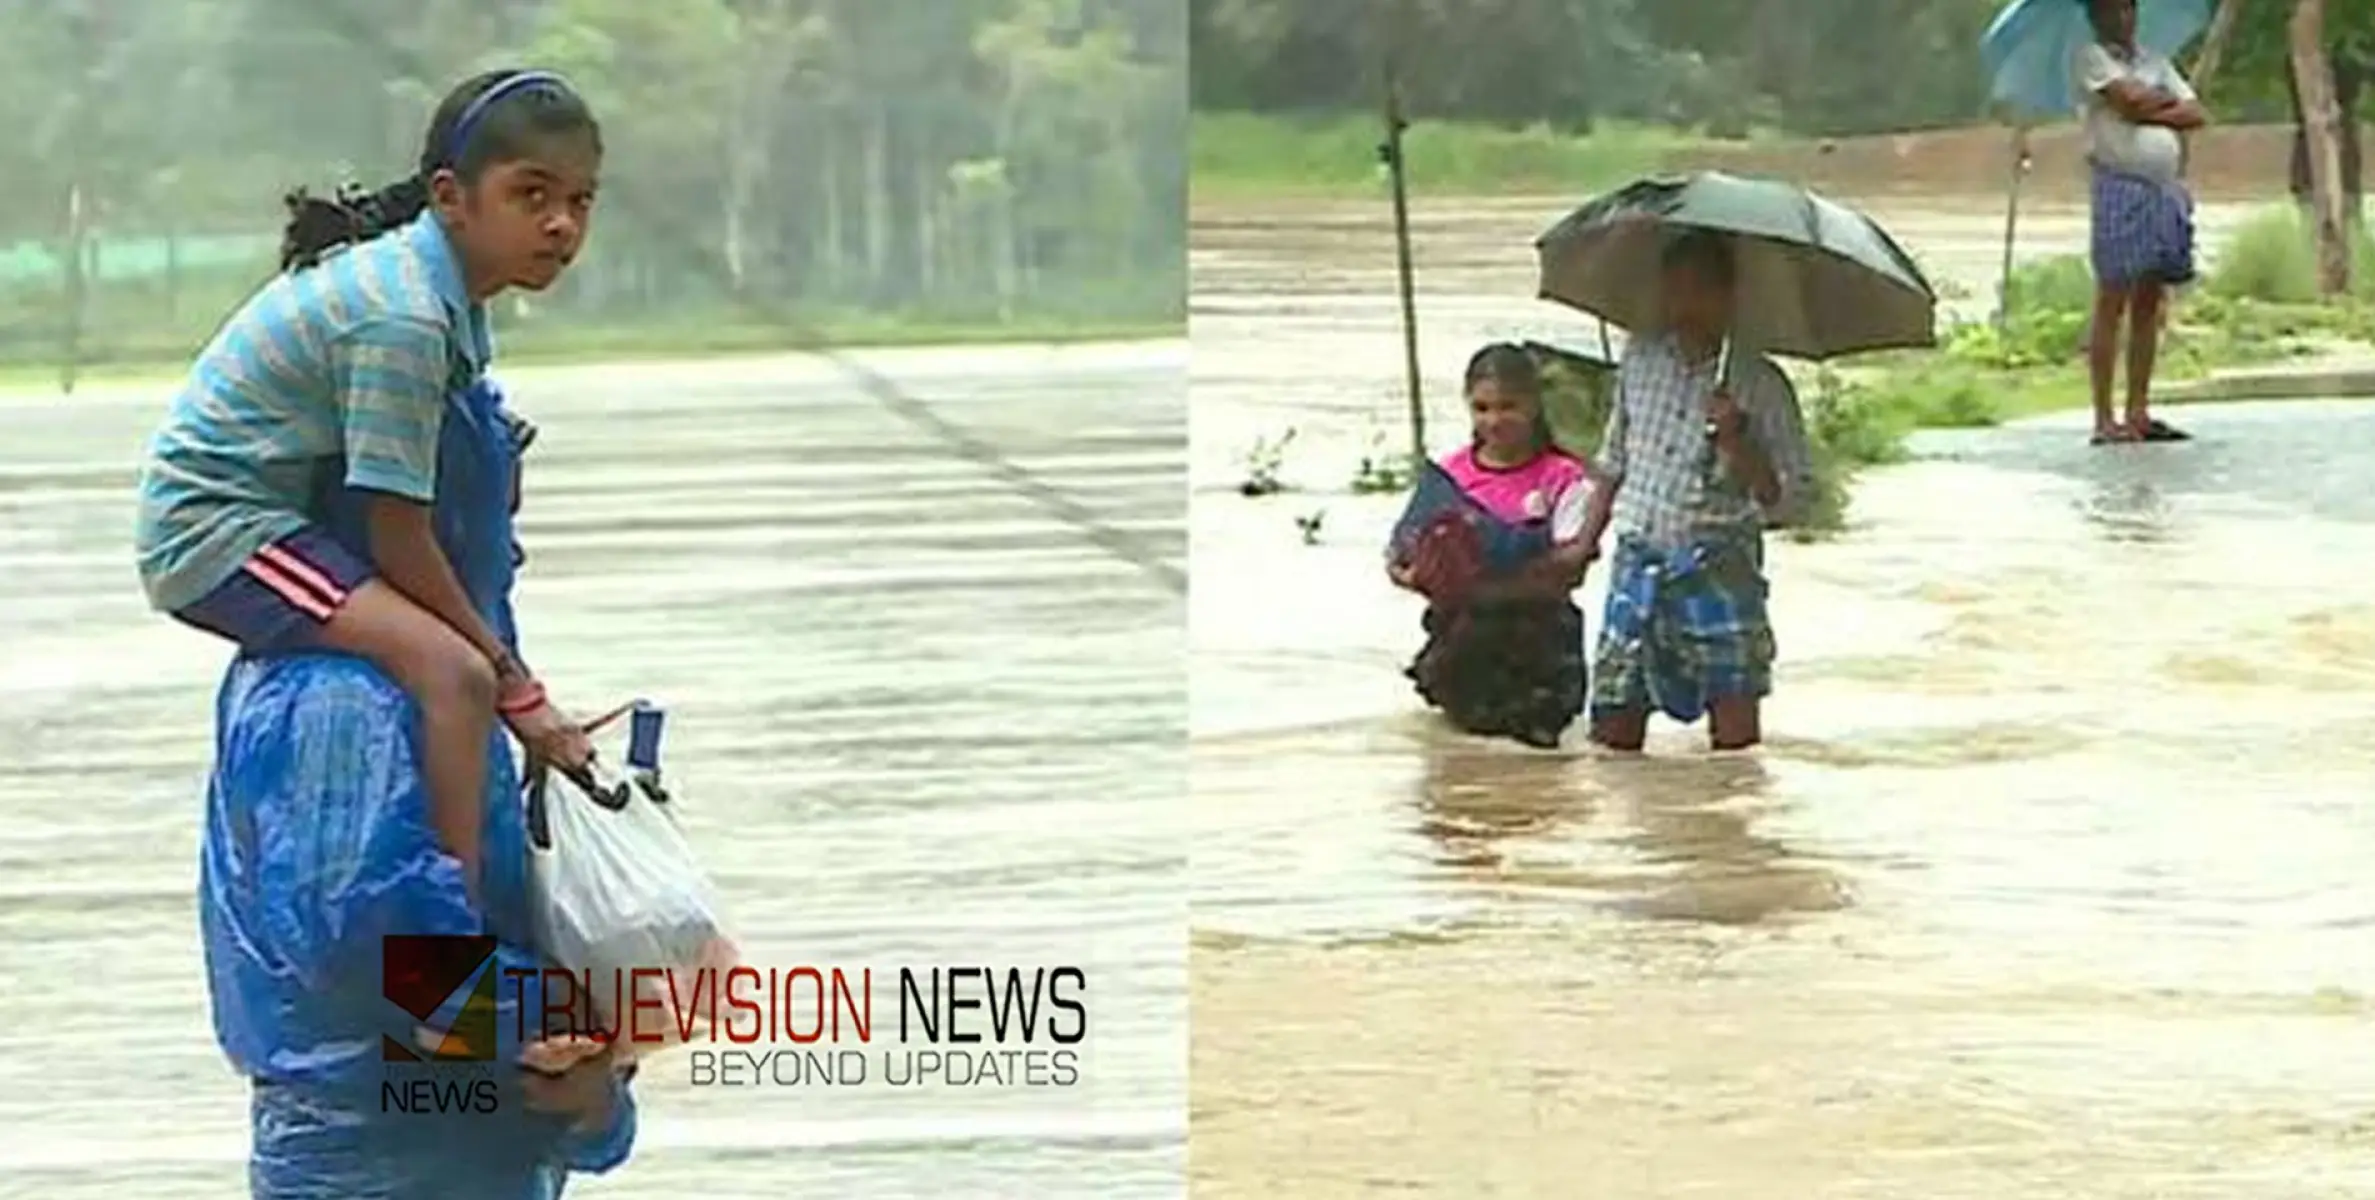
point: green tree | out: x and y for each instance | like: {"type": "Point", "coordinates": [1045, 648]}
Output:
{"type": "Point", "coordinates": [949, 160]}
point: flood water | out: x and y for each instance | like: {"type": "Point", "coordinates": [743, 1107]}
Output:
{"type": "Point", "coordinates": [2052, 880]}
{"type": "Point", "coordinates": [915, 721]}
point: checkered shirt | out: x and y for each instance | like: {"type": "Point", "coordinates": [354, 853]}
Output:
{"type": "Point", "coordinates": [1673, 490]}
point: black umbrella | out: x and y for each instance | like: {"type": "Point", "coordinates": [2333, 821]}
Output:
{"type": "Point", "coordinates": [1816, 279]}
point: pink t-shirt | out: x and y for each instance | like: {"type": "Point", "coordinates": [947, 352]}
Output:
{"type": "Point", "coordinates": [1516, 494]}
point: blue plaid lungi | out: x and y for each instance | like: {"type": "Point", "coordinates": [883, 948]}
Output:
{"type": "Point", "coordinates": [2142, 230]}
{"type": "Point", "coordinates": [1683, 627]}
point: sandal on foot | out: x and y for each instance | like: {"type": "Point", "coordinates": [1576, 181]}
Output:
{"type": "Point", "coordinates": [2111, 437]}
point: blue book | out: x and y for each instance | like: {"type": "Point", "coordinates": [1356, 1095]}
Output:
{"type": "Point", "coordinates": [1506, 547]}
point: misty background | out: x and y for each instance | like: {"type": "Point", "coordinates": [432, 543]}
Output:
{"type": "Point", "coordinates": [1729, 67]}
{"type": "Point", "coordinates": [958, 170]}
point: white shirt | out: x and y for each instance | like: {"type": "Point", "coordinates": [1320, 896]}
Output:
{"type": "Point", "coordinates": [2153, 151]}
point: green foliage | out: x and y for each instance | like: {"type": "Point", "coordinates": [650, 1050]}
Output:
{"type": "Point", "coordinates": [1834, 68]}
{"type": "Point", "coordinates": [1576, 395]}
{"type": "Point", "coordinates": [2045, 310]}
{"type": "Point", "coordinates": [1726, 66]}
{"type": "Point", "coordinates": [2256, 64]}
{"type": "Point", "coordinates": [2272, 257]}
{"type": "Point", "coordinates": [988, 163]}
{"type": "Point", "coordinates": [1383, 471]}
{"type": "Point", "coordinates": [1848, 427]}
{"type": "Point", "coordinates": [2055, 283]}
{"type": "Point", "coordinates": [1511, 62]}
{"type": "Point", "coordinates": [1263, 462]}
{"type": "Point", "coordinates": [1269, 155]}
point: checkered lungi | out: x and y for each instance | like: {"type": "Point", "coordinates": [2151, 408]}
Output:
{"type": "Point", "coordinates": [2142, 230]}
{"type": "Point", "coordinates": [1683, 628]}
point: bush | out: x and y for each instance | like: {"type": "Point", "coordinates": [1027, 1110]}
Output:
{"type": "Point", "coordinates": [2057, 283]}
{"type": "Point", "coordinates": [2272, 258]}
{"type": "Point", "coordinates": [1848, 427]}
{"type": "Point", "coordinates": [1576, 392]}
{"type": "Point", "coordinates": [1853, 423]}
{"type": "Point", "coordinates": [2046, 305]}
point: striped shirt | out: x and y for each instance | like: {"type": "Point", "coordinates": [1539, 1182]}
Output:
{"type": "Point", "coordinates": [335, 374]}
{"type": "Point", "coordinates": [1672, 490]}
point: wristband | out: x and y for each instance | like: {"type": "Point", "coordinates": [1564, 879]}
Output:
{"type": "Point", "coordinates": [527, 698]}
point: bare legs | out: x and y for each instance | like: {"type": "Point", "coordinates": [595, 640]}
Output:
{"type": "Point", "coordinates": [2139, 307]}
{"type": "Point", "coordinates": [1733, 723]}
{"type": "Point", "coordinates": [455, 687]}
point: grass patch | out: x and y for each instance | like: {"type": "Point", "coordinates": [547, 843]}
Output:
{"type": "Point", "coordinates": [1264, 155]}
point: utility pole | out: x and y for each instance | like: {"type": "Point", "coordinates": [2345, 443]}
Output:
{"type": "Point", "coordinates": [90, 38]}
{"type": "Point", "coordinates": [2020, 171]}
{"type": "Point", "coordinates": [1391, 152]}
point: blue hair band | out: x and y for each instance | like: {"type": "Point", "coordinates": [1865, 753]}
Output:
{"type": "Point", "coordinates": [476, 110]}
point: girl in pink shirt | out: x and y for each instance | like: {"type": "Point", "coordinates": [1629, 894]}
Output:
{"type": "Point", "coordinates": [1505, 643]}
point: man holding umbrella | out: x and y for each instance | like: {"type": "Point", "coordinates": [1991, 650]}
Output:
{"type": "Point", "coordinates": [1705, 446]}
{"type": "Point", "coordinates": [1700, 452]}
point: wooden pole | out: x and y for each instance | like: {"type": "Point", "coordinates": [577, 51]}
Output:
{"type": "Point", "coordinates": [78, 290]}
{"type": "Point", "coordinates": [2020, 169]}
{"type": "Point", "coordinates": [1391, 152]}
{"type": "Point", "coordinates": [90, 28]}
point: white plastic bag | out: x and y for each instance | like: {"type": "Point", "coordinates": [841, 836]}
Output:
{"type": "Point", "coordinates": [621, 901]}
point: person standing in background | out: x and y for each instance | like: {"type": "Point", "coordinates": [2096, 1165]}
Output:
{"type": "Point", "coordinates": [2141, 238]}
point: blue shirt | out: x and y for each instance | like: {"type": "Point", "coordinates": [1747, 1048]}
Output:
{"type": "Point", "coordinates": [353, 359]}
